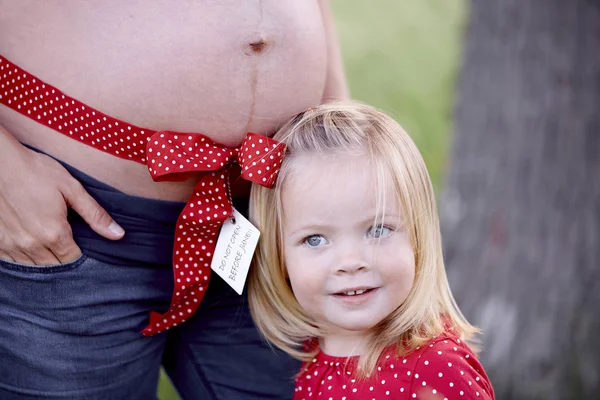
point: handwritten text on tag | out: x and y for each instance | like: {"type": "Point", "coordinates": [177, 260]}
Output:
{"type": "Point", "coordinates": [233, 253]}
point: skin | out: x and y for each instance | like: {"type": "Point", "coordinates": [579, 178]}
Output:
{"type": "Point", "coordinates": [332, 246]}
{"type": "Point", "coordinates": [221, 68]}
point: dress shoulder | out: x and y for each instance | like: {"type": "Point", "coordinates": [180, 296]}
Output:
{"type": "Point", "coordinates": [448, 369]}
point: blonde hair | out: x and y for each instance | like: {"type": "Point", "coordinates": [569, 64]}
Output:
{"type": "Point", "coordinates": [429, 309]}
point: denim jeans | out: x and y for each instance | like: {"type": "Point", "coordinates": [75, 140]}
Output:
{"type": "Point", "coordinates": [72, 331]}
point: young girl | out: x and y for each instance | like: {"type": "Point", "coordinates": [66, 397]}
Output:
{"type": "Point", "coordinates": [349, 273]}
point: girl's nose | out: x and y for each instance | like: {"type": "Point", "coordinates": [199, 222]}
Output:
{"type": "Point", "coordinates": [351, 261]}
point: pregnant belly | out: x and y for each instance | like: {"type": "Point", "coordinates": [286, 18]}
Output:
{"type": "Point", "coordinates": [198, 77]}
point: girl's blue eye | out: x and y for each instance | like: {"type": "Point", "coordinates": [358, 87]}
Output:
{"type": "Point", "coordinates": [379, 231]}
{"type": "Point", "coordinates": [315, 240]}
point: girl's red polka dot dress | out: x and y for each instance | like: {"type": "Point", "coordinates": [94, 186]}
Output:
{"type": "Point", "coordinates": [445, 369]}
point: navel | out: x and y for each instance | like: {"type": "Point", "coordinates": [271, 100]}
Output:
{"type": "Point", "coordinates": [257, 46]}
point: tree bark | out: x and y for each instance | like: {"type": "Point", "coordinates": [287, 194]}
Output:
{"type": "Point", "coordinates": [521, 206]}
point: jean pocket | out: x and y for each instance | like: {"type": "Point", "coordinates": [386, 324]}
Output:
{"type": "Point", "coordinates": [42, 269]}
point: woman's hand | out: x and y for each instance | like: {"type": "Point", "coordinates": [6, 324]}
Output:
{"type": "Point", "coordinates": [35, 191]}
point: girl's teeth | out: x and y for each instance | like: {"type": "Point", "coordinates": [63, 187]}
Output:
{"type": "Point", "coordinates": [353, 292]}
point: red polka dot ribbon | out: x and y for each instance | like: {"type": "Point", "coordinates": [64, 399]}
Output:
{"type": "Point", "coordinates": [170, 156]}
{"type": "Point", "coordinates": [174, 156]}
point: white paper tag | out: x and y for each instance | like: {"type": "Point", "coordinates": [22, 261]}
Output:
{"type": "Point", "coordinates": [234, 250]}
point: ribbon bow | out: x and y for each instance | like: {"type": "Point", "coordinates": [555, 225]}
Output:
{"type": "Point", "coordinates": [176, 157]}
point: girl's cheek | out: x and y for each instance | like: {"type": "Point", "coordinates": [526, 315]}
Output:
{"type": "Point", "coordinates": [295, 267]}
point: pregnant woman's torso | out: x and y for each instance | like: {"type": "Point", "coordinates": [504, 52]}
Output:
{"type": "Point", "coordinates": [221, 68]}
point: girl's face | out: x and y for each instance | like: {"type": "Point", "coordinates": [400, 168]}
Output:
{"type": "Point", "coordinates": [346, 271]}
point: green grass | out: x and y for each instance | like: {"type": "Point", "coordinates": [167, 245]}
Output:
{"type": "Point", "coordinates": [402, 57]}
{"type": "Point", "coordinates": [165, 389]}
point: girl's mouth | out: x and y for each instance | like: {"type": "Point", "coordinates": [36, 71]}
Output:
{"type": "Point", "coordinates": [355, 297]}
{"type": "Point", "coordinates": [356, 292]}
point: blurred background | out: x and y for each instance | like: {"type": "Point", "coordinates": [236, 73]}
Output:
{"type": "Point", "coordinates": [503, 100]}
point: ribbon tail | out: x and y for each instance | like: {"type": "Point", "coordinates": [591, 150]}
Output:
{"type": "Point", "coordinates": [180, 311]}
{"type": "Point", "coordinates": [195, 240]}
{"type": "Point", "coordinates": [191, 279]}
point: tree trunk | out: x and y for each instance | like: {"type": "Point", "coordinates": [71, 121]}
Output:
{"type": "Point", "coordinates": [521, 207]}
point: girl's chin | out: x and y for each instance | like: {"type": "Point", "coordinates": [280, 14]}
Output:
{"type": "Point", "coordinates": [352, 328]}
{"type": "Point", "coordinates": [345, 341]}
